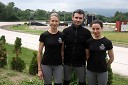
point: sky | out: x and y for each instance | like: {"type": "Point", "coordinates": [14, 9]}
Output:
{"type": "Point", "coordinates": [67, 5]}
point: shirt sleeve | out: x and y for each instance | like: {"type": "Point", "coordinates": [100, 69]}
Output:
{"type": "Point", "coordinates": [109, 45]}
{"type": "Point", "coordinates": [42, 38]}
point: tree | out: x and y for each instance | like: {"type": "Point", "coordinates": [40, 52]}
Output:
{"type": "Point", "coordinates": [41, 14]}
{"type": "Point", "coordinates": [17, 63]}
{"type": "Point", "coordinates": [33, 67]}
{"type": "Point", "coordinates": [119, 16]}
{"type": "Point", "coordinates": [3, 52]}
{"type": "Point", "coordinates": [2, 7]}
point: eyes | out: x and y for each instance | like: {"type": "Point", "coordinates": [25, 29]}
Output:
{"type": "Point", "coordinates": [54, 21]}
{"type": "Point", "coordinates": [95, 28]}
{"type": "Point", "coordinates": [78, 17]}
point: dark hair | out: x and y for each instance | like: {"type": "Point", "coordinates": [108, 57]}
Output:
{"type": "Point", "coordinates": [80, 11]}
{"type": "Point", "coordinates": [97, 22]}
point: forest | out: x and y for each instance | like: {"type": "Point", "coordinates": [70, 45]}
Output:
{"type": "Point", "coordinates": [11, 13]}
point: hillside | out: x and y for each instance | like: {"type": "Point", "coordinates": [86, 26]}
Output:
{"type": "Point", "coordinates": [105, 12]}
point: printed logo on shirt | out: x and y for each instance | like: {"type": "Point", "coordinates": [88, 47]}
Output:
{"type": "Point", "coordinates": [102, 47]}
{"type": "Point", "coordinates": [60, 40]}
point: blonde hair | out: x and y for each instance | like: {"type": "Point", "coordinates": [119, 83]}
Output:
{"type": "Point", "coordinates": [54, 14]}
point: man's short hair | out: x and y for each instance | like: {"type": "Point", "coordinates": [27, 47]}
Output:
{"type": "Point", "coordinates": [80, 11]}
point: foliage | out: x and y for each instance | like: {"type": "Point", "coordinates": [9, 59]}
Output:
{"type": "Point", "coordinates": [3, 39]}
{"type": "Point", "coordinates": [6, 82]}
{"type": "Point", "coordinates": [110, 76]}
{"type": "Point", "coordinates": [11, 77]}
{"type": "Point", "coordinates": [17, 63]}
{"type": "Point", "coordinates": [3, 53]}
{"type": "Point", "coordinates": [73, 78]}
{"type": "Point", "coordinates": [11, 13]}
{"type": "Point", "coordinates": [31, 82]}
{"type": "Point", "coordinates": [120, 80]}
{"type": "Point", "coordinates": [33, 68]}
{"type": "Point", "coordinates": [17, 45]}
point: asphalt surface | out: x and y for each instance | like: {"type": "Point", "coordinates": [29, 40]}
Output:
{"type": "Point", "coordinates": [119, 66]}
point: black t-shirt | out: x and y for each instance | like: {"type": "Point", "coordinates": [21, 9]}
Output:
{"type": "Point", "coordinates": [53, 44]}
{"type": "Point", "coordinates": [97, 58]}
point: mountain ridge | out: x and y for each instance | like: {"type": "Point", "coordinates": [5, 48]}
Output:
{"type": "Point", "coordinates": [105, 12]}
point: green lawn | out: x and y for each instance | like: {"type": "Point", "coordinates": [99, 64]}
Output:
{"type": "Point", "coordinates": [120, 37]}
{"type": "Point", "coordinates": [115, 37]}
{"type": "Point", "coordinates": [25, 29]}
{"type": "Point", "coordinates": [119, 80]}
{"type": "Point", "coordinates": [11, 77]}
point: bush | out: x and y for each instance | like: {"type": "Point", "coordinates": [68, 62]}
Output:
{"type": "Point", "coordinates": [3, 53]}
{"type": "Point", "coordinates": [17, 45]}
{"type": "Point", "coordinates": [33, 68]}
{"type": "Point", "coordinates": [17, 63]}
{"type": "Point", "coordinates": [110, 76]}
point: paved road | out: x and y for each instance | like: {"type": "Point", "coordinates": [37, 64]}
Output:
{"type": "Point", "coordinates": [120, 64]}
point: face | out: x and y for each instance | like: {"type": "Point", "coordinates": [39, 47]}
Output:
{"type": "Point", "coordinates": [54, 22]}
{"type": "Point", "coordinates": [96, 30]}
{"type": "Point", "coordinates": [77, 19]}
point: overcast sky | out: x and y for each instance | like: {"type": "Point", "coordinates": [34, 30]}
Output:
{"type": "Point", "coordinates": [67, 5]}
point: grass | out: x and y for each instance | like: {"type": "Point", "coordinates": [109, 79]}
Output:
{"type": "Point", "coordinates": [119, 80]}
{"type": "Point", "coordinates": [120, 37]}
{"type": "Point", "coordinates": [115, 37]}
{"type": "Point", "coordinates": [12, 77]}
{"type": "Point", "coordinates": [25, 29]}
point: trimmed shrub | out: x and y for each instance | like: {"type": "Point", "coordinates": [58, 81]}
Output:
{"type": "Point", "coordinates": [17, 45]}
{"type": "Point", "coordinates": [17, 63]}
{"type": "Point", "coordinates": [33, 67]}
{"type": "Point", "coordinates": [3, 52]}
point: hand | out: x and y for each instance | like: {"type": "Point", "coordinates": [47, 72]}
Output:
{"type": "Point", "coordinates": [40, 74]}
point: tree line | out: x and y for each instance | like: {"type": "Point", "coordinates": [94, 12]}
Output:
{"type": "Point", "coordinates": [11, 13]}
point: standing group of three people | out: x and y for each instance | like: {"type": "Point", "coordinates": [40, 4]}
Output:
{"type": "Point", "coordinates": [72, 47]}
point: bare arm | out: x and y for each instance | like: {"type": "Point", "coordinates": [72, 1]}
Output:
{"type": "Point", "coordinates": [111, 57]}
{"type": "Point", "coordinates": [39, 57]}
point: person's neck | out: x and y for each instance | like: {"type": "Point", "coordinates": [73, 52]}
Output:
{"type": "Point", "coordinates": [76, 25]}
{"type": "Point", "coordinates": [53, 31]}
{"type": "Point", "coordinates": [99, 37]}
